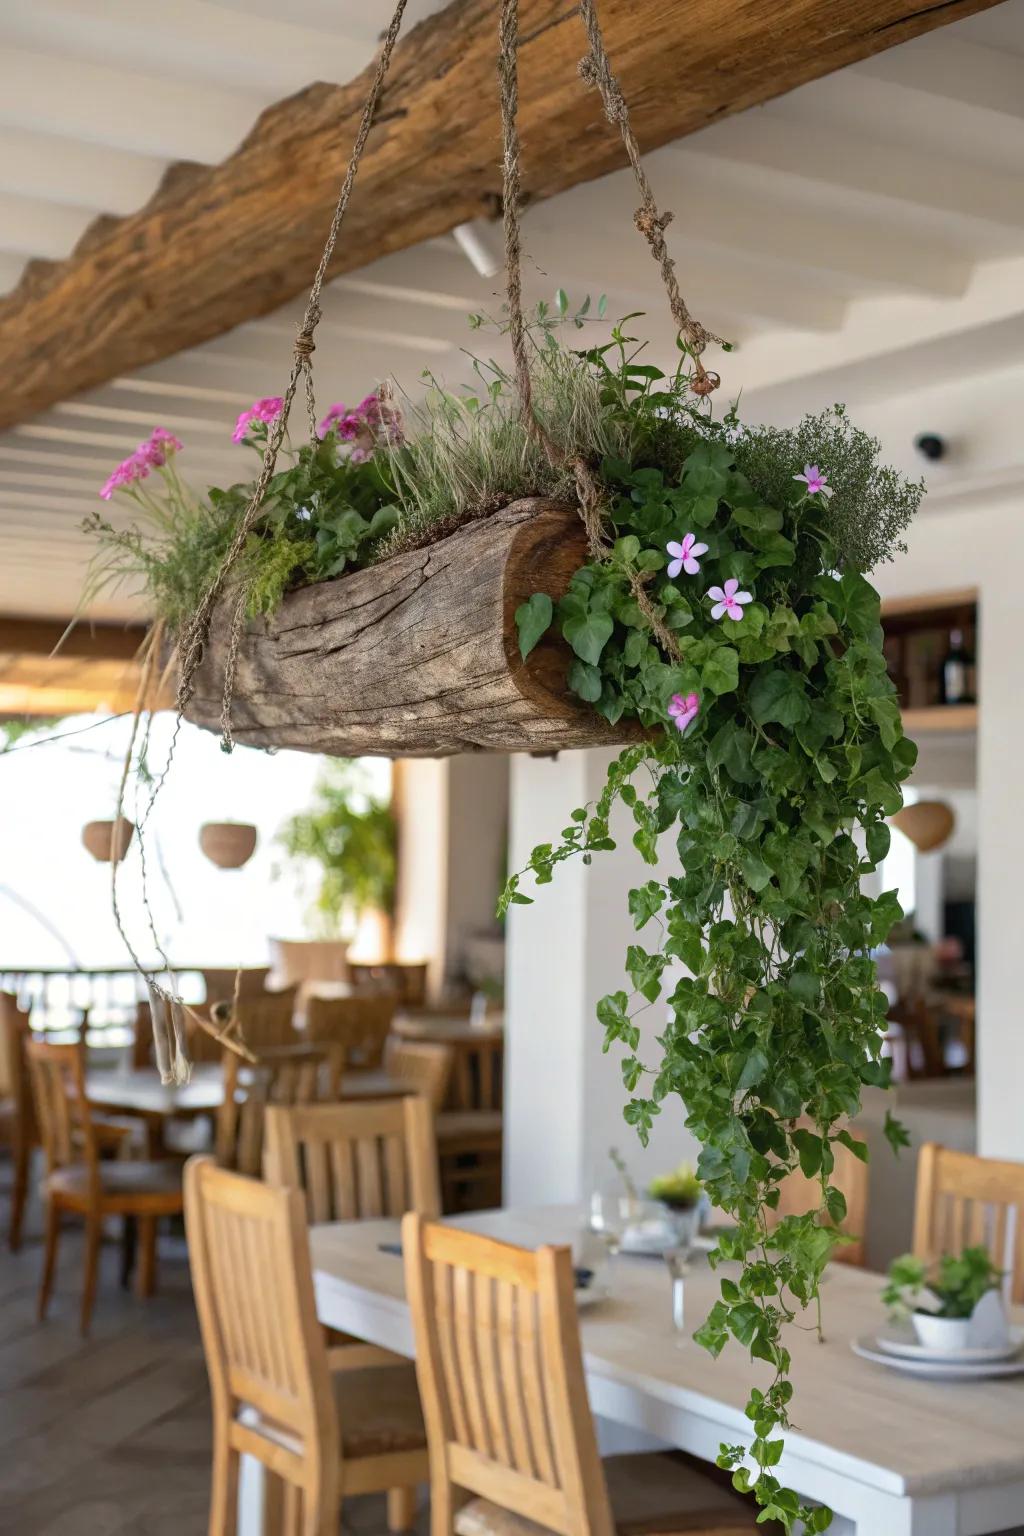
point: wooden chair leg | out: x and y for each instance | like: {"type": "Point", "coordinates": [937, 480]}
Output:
{"type": "Point", "coordinates": [224, 1488]}
{"type": "Point", "coordinates": [93, 1237]}
{"type": "Point", "coordinates": [51, 1239]}
{"type": "Point", "coordinates": [19, 1194]}
{"type": "Point", "coordinates": [401, 1509]}
{"type": "Point", "coordinates": [291, 1523]}
{"type": "Point", "coordinates": [147, 1255]}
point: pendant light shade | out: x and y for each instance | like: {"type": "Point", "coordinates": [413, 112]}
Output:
{"type": "Point", "coordinates": [928, 823]}
{"type": "Point", "coordinates": [228, 844]}
{"type": "Point", "coordinates": [106, 844]}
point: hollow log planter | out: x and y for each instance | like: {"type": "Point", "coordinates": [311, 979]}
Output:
{"type": "Point", "coordinates": [417, 656]}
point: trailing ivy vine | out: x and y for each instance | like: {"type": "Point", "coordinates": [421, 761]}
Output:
{"type": "Point", "coordinates": [774, 754]}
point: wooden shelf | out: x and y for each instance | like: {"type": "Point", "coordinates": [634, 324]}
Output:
{"type": "Point", "coordinates": [954, 718]}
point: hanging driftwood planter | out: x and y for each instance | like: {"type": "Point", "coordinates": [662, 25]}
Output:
{"type": "Point", "coordinates": [417, 656]}
{"type": "Point", "coordinates": [228, 844]}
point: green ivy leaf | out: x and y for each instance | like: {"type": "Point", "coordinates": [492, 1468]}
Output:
{"type": "Point", "coordinates": [778, 695]}
{"type": "Point", "coordinates": [586, 681]}
{"type": "Point", "coordinates": [588, 633]}
{"type": "Point", "coordinates": [533, 618]}
{"type": "Point", "coordinates": [721, 671]}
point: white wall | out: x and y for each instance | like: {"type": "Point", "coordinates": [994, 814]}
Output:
{"type": "Point", "coordinates": [564, 1097]}
{"type": "Point", "coordinates": [982, 545]}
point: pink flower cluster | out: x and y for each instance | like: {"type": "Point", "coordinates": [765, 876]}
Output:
{"type": "Point", "coordinates": [152, 454]}
{"type": "Point", "coordinates": [267, 411]}
{"type": "Point", "coordinates": [363, 426]}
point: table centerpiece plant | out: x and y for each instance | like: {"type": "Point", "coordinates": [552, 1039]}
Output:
{"type": "Point", "coordinates": [942, 1299]}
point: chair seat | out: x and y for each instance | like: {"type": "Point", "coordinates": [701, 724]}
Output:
{"type": "Point", "coordinates": [379, 1411]}
{"type": "Point", "coordinates": [651, 1495]}
{"type": "Point", "coordinates": [469, 1125]}
{"type": "Point", "coordinates": [121, 1184]}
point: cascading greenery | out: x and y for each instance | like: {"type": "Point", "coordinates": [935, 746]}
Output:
{"type": "Point", "coordinates": [775, 792]}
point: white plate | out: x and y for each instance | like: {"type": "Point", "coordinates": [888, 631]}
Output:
{"type": "Point", "coordinates": [592, 1294]}
{"type": "Point", "coordinates": [935, 1370]}
{"type": "Point", "coordinates": [903, 1342]}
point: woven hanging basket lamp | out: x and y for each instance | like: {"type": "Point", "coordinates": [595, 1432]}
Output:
{"type": "Point", "coordinates": [928, 823]}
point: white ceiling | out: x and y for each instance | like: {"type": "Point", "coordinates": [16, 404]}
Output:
{"type": "Point", "coordinates": [862, 236]}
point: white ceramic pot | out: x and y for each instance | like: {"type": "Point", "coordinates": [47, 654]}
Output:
{"type": "Point", "coordinates": [947, 1334]}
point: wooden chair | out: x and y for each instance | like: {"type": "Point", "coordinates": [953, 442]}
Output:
{"type": "Point", "coordinates": [355, 1162]}
{"type": "Point", "coordinates": [408, 982]}
{"type": "Point", "coordinates": [18, 1126]}
{"type": "Point", "coordinates": [267, 1020]}
{"type": "Point", "coordinates": [273, 1396]}
{"type": "Point", "coordinates": [470, 1127]}
{"type": "Point", "coordinates": [78, 1181]}
{"type": "Point", "coordinates": [360, 1024]}
{"type": "Point", "coordinates": [505, 1403]}
{"type": "Point", "coordinates": [425, 1064]}
{"type": "Point", "coordinates": [285, 1074]}
{"type": "Point", "coordinates": [798, 1194]}
{"type": "Point", "coordinates": [968, 1201]}
{"type": "Point", "coordinates": [220, 984]}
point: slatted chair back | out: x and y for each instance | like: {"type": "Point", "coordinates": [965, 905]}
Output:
{"type": "Point", "coordinates": [360, 1024]}
{"type": "Point", "coordinates": [267, 1021]}
{"type": "Point", "coordinates": [501, 1378]}
{"type": "Point", "coordinates": [799, 1194]}
{"type": "Point", "coordinates": [425, 1064]}
{"type": "Point", "coordinates": [220, 984]}
{"type": "Point", "coordinates": [62, 1108]}
{"type": "Point", "coordinates": [407, 981]}
{"type": "Point", "coordinates": [477, 1073]}
{"type": "Point", "coordinates": [359, 1160]}
{"type": "Point", "coordinates": [249, 1258]}
{"type": "Point", "coordinates": [968, 1201]}
{"type": "Point", "coordinates": [285, 1074]}
{"type": "Point", "coordinates": [15, 1079]}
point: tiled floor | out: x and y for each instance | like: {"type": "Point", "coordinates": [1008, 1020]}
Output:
{"type": "Point", "coordinates": [107, 1436]}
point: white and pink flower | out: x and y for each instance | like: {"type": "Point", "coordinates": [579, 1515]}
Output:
{"type": "Point", "coordinates": [684, 555]}
{"type": "Point", "coordinates": [683, 709]}
{"type": "Point", "coordinates": [729, 600]}
{"type": "Point", "coordinates": [814, 479]}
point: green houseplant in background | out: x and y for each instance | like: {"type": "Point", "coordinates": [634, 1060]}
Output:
{"type": "Point", "coordinates": [350, 833]}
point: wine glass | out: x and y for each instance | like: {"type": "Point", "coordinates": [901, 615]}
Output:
{"type": "Point", "coordinates": [684, 1221]}
{"type": "Point", "coordinates": [611, 1215]}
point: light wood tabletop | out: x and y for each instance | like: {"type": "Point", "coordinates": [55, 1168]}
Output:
{"type": "Point", "coordinates": [139, 1091]}
{"type": "Point", "coordinates": [448, 1028]}
{"type": "Point", "coordinates": [891, 1454]}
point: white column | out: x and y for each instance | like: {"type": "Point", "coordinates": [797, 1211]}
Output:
{"type": "Point", "coordinates": [564, 1098]}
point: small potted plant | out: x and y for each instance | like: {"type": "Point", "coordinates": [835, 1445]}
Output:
{"type": "Point", "coordinates": [953, 1304]}
{"type": "Point", "coordinates": [679, 1193]}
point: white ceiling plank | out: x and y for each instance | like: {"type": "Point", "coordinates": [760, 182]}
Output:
{"type": "Point", "coordinates": [34, 226]}
{"type": "Point", "coordinates": [66, 171]}
{"type": "Point", "coordinates": [948, 69]}
{"type": "Point", "coordinates": [776, 156]}
{"type": "Point", "coordinates": [124, 416]}
{"type": "Point", "coordinates": [100, 104]}
{"type": "Point", "coordinates": [11, 268]}
{"type": "Point", "coordinates": [191, 40]}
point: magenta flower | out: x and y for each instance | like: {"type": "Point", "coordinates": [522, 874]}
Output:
{"type": "Point", "coordinates": [158, 447]}
{"type": "Point", "coordinates": [266, 410]}
{"type": "Point", "coordinates": [814, 479]}
{"type": "Point", "coordinates": [728, 600]}
{"type": "Point", "coordinates": [684, 555]}
{"type": "Point", "coordinates": [683, 710]}
{"type": "Point", "coordinates": [134, 467]}
{"type": "Point", "coordinates": [363, 425]}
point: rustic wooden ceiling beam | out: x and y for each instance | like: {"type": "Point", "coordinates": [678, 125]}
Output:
{"type": "Point", "coordinates": [219, 245]}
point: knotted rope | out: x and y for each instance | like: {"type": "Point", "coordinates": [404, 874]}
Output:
{"type": "Point", "coordinates": [596, 69]}
{"type": "Point", "coordinates": [194, 636]}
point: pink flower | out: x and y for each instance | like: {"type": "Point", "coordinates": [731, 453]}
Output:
{"type": "Point", "coordinates": [728, 600]}
{"type": "Point", "coordinates": [683, 711]}
{"type": "Point", "coordinates": [158, 447]}
{"type": "Point", "coordinates": [134, 467]}
{"type": "Point", "coordinates": [364, 425]}
{"type": "Point", "coordinates": [684, 555]}
{"type": "Point", "coordinates": [266, 410]}
{"type": "Point", "coordinates": [814, 479]}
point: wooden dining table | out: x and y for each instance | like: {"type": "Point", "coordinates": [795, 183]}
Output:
{"type": "Point", "coordinates": [890, 1454]}
{"type": "Point", "coordinates": [139, 1092]}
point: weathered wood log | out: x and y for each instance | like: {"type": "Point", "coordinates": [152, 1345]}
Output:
{"type": "Point", "coordinates": [417, 656]}
{"type": "Point", "coordinates": [219, 245]}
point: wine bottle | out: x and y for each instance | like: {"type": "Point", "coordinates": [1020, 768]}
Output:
{"type": "Point", "coordinates": [955, 674]}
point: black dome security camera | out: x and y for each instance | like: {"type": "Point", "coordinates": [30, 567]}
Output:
{"type": "Point", "coordinates": [930, 445]}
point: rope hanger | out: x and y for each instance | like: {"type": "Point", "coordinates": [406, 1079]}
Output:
{"type": "Point", "coordinates": [595, 68]}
